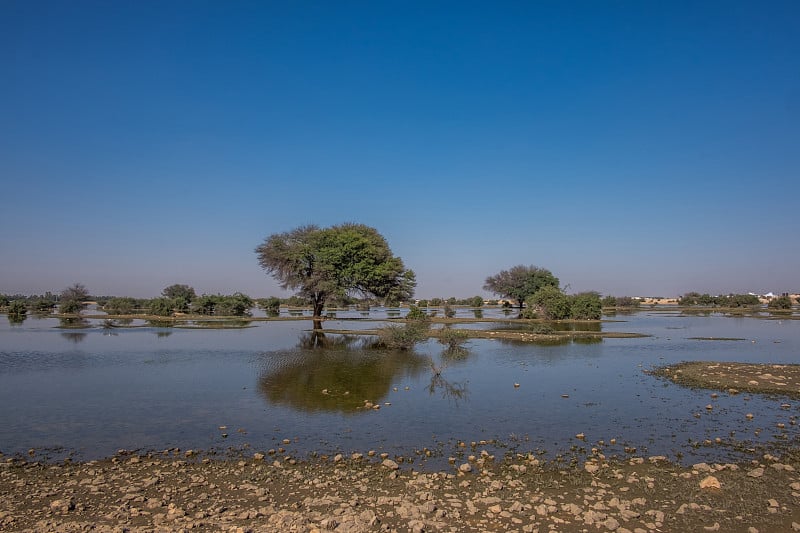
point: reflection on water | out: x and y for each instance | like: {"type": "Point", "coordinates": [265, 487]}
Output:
{"type": "Point", "coordinates": [73, 323]}
{"type": "Point", "coordinates": [74, 336]}
{"type": "Point", "coordinates": [160, 387]}
{"type": "Point", "coordinates": [333, 378]}
{"type": "Point", "coordinates": [16, 320]}
{"type": "Point", "coordinates": [318, 339]}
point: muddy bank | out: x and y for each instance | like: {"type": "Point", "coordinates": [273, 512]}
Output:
{"type": "Point", "coordinates": [735, 377]}
{"type": "Point", "coordinates": [180, 491]}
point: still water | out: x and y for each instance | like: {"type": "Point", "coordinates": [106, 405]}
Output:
{"type": "Point", "coordinates": [90, 392]}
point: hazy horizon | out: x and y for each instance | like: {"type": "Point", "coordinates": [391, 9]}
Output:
{"type": "Point", "coordinates": [631, 148]}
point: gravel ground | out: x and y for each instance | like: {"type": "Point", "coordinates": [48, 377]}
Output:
{"type": "Point", "coordinates": [184, 491]}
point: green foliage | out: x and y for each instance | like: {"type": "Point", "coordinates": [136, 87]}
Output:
{"type": "Point", "coordinates": [626, 302]}
{"type": "Point", "coordinates": [42, 306]}
{"type": "Point", "coordinates": [403, 337]}
{"type": "Point", "coordinates": [415, 313]}
{"type": "Point", "coordinates": [4, 300]}
{"type": "Point", "coordinates": [296, 301]}
{"type": "Point", "coordinates": [585, 306]}
{"type": "Point", "coordinates": [449, 312]}
{"type": "Point", "coordinates": [323, 263]}
{"type": "Point", "coordinates": [423, 304]}
{"type": "Point", "coordinates": [608, 301]}
{"type": "Point", "coordinates": [161, 306]}
{"type": "Point", "coordinates": [271, 305]}
{"type": "Point", "coordinates": [237, 304]}
{"type": "Point", "coordinates": [436, 302]}
{"type": "Point", "coordinates": [179, 291]}
{"type": "Point", "coordinates": [121, 306]}
{"type": "Point", "coordinates": [452, 338]}
{"type": "Point", "coordinates": [550, 303]}
{"type": "Point", "coordinates": [780, 303]}
{"type": "Point", "coordinates": [72, 299]}
{"type": "Point", "coordinates": [520, 282]}
{"type": "Point", "coordinates": [476, 301]}
{"type": "Point", "coordinates": [70, 307]}
{"type": "Point", "coordinates": [730, 300]}
{"type": "Point", "coordinates": [17, 309]}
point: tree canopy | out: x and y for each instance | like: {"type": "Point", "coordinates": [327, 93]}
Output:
{"type": "Point", "coordinates": [323, 263]}
{"type": "Point", "coordinates": [179, 291]}
{"type": "Point", "coordinates": [72, 299]}
{"type": "Point", "coordinates": [520, 282]}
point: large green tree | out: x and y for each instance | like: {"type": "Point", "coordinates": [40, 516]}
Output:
{"type": "Point", "coordinates": [520, 282]}
{"type": "Point", "coordinates": [322, 263]}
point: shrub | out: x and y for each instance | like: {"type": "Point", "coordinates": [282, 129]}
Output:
{"type": "Point", "coordinates": [586, 306]}
{"type": "Point", "coordinates": [415, 313]}
{"type": "Point", "coordinates": [403, 337]}
{"type": "Point", "coordinates": [550, 303]}
{"type": "Point", "coordinates": [271, 304]}
{"type": "Point", "coordinates": [452, 338]}
{"type": "Point", "coordinates": [160, 307]}
{"type": "Point", "coordinates": [120, 306]}
{"type": "Point", "coordinates": [449, 312]}
{"type": "Point", "coordinates": [17, 309]}
{"type": "Point", "coordinates": [780, 303]}
{"type": "Point", "coordinates": [609, 301]}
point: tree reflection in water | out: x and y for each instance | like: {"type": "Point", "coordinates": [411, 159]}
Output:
{"type": "Point", "coordinates": [331, 372]}
{"type": "Point", "coordinates": [74, 323]}
{"type": "Point", "coordinates": [453, 390]}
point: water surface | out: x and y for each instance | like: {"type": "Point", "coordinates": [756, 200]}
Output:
{"type": "Point", "coordinates": [91, 391]}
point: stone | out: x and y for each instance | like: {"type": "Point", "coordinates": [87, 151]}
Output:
{"type": "Point", "coordinates": [391, 465]}
{"type": "Point", "coordinates": [710, 482]}
{"type": "Point", "coordinates": [756, 472]}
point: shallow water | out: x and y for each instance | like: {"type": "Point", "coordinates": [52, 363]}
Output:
{"type": "Point", "coordinates": [93, 391]}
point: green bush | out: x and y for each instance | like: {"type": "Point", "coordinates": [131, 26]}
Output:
{"type": "Point", "coordinates": [120, 306]}
{"type": "Point", "coordinates": [550, 303]}
{"type": "Point", "coordinates": [586, 306]}
{"type": "Point", "coordinates": [17, 309]}
{"type": "Point", "coordinates": [160, 306]}
{"type": "Point", "coordinates": [452, 338]}
{"type": "Point", "coordinates": [403, 337]}
{"type": "Point", "coordinates": [780, 303]}
{"type": "Point", "coordinates": [415, 313]}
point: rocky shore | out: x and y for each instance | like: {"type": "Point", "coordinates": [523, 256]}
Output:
{"type": "Point", "coordinates": [183, 491]}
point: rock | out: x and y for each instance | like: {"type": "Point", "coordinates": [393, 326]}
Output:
{"type": "Point", "coordinates": [756, 472]}
{"type": "Point", "coordinates": [258, 456]}
{"type": "Point", "coordinates": [591, 467]}
{"type": "Point", "coordinates": [391, 465]}
{"type": "Point", "coordinates": [62, 506]}
{"type": "Point", "coordinates": [466, 467]}
{"type": "Point", "coordinates": [715, 527]}
{"type": "Point", "coordinates": [710, 482]}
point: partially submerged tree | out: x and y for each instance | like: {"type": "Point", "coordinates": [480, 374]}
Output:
{"type": "Point", "coordinates": [72, 299]}
{"type": "Point", "coordinates": [323, 263]}
{"type": "Point", "coordinates": [520, 282]}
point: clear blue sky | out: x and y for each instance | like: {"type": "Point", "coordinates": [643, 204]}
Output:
{"type": "Point", "coordinates": [639, 148]}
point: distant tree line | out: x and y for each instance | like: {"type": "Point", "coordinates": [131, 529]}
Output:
{"type": "Point", "coordinates": [729, 300]}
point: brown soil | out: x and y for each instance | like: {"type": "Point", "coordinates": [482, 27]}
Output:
{"type": "Point", "coordinates": [736, 377]}
{"type": "Point", "coordinates": [173, 492]}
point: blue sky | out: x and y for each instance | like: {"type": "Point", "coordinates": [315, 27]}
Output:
{"type": "Point", "coordinates": [634, 148]}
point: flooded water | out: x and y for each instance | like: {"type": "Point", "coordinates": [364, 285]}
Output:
{"type": "Point", "coordinates": [91, 390]}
